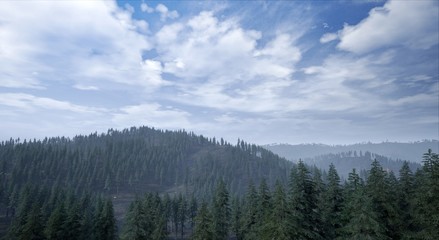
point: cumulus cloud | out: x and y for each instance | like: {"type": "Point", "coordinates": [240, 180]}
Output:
{"type": "Point", "coordinates": [328, 37]}
{"type": "Point", "coordinates": [145, 8]}
{"type": "Point", "coordinates": [222, 65]}
{"type": "Point", "coordinates": [206, 47]}
{"type": "Point", "coordinates": [52, 41]}
{"type": "Point", "coordinates": [165, 13]}
{"type": "Point", "coordinates": [409, 23]}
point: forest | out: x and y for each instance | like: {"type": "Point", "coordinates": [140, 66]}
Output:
{"type": "Point", "coordinates": [143, 183]}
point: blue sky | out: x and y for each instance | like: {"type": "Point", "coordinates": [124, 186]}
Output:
{"type": "Point", "coordinates": [332, 72]}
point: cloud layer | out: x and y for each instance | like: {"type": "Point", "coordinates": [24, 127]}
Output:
{"type": "Point", "coordinates": [211, 71]}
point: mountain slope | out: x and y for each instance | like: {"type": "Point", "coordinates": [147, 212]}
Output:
{"type": "Point", "coordinates": [122, 164]}
{"type": "Point", "coordinates": [344, 163]}
{"type": "Point", "coordinates": [404, 151]}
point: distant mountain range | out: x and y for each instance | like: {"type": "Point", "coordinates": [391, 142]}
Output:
{"type": "Point", "coordinates": [359, 156]}
{"type": "Point", "coordinates": [403, 151]}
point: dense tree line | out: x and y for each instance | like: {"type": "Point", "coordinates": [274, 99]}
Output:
{"type": "Point", "coordinates": [122, 164]}
{"type": "Point", "coordinates": [59, 214]}
{"type": "Point", "coordinates": [136, 160]}
{"type": "Point", "coordinates": [307, 206]}
{"type": "Point", "coordinates": [216, 191]}
{"type": "Point", "coordinates": [346, 161]}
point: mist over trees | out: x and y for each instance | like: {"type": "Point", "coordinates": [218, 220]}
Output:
{"type": "Point", "coordinates": [142, 183]}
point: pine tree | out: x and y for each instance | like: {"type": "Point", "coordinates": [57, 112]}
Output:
{"type": "Point", "coordinates": [377, 188]}
{"type": "Point", "coordinates": [427, 197]}
{"type": "Point", "coordinates": [360, 221]}
{"type": "Point", "coordinates": [363, 221]}
{"type": "Point", "coordinates": [160, 232]}
{"type": "Point", "coordinates": [33, 228]}
{"type": "Point", "coordinates": [333, 204]}
{"type": "Point", "coordinates": [73, 224]}
{"type": "Point", "coordinates": [221, 212]}
{"type": "Point", "coordinates": [203, 224]}
{"type": "Point", "coordinates": [136, 226]}
{"type": "Point", "coordinates": [249, 220]}
{"type": "Point", "coordinates": [107, 223]}
{"type": "Point", "coordinates": [278, 224]}
{"type": "Point", "coordinates": [182, 213]}
{"type": "Point", "coordinates": [236, 218]}
{"type": "Point", "coordinates": [405, 201]}
{"type": "Point", "coordinates": [264, 205]}
{"type": "Point", "coordinates": [55, 228]}
{"type": "Point", "coordinates": [303, 204]}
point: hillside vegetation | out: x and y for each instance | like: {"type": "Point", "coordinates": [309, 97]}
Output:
{"type": "Point", "coordinates": [143, 183]}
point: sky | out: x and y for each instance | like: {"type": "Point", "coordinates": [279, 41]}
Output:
{"type": "Point", "coordinates": [334, 72]}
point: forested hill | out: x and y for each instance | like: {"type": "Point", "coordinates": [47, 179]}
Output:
{"type": "Point", "coordinates": [177, 185]}
{"type": "Point", "coordinates": [344, 162]}
{"type": "Point", "coordinates": [134, 161]}
{"type": "Point", "coordinates": [395, 150]}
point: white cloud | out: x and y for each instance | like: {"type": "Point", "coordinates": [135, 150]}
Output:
{"type": "Point", "coordinates": [31, 103]}
{"type": "Point", "coordinates": [209, 48]}
{"type": "Point", "coordinates": [85, 87]}
{"type": "Point", "coordinates": [152, 71]}
{"type": "Point", "coordinates": [328, 37]}
{"type": "Point", "coordinates": [165, 13]}
{"type": "Point", "coordinates": [74, 41]}
{"type": "Point", "coordinates": [145, 8]}
{"type": "Point", "coordinates": [409, 23]}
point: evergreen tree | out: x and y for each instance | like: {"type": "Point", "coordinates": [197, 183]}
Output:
{"type": "Point", "coordinates": [33, 228]}
{"type": "Point", "coordinates": [55, 227]}
{"type": "Point", "coordinates": [278, 224]}
{"type": "Point", "coordinates": [72, 224]}
{"type": "Point", "coordinates": [221, 212]}
{"type": "Point", "coordinates": [236, 218]}
{"type": "Point", "coordinates": [333, 204]}
{"type": "Point", "coordinates": [136, 225]}
{"type": "Point", "coordinates": [427, 198]}
{"type": "Point", "coordinates": [377, 188]}
{"type": "Point", "coordinates": [203, 224]}
{"type": "Point", "coordinates": [405, 201]}
{"type": "Point", "coordinates": [106, 222]}
{"type": "Point", "coordinates": [160, 232]}
{"type": "Point", "coordinates": [182, 213]}
{"type": "Point", "coordinates": [249, 220]}
{"type": "Point", "coordinates": [363, 221]}
{"type": "Point", "coordinates": [264, 205]}
{"type": "Point", "coordinates": [303, 204]}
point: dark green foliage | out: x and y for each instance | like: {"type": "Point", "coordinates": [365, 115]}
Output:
{"type": "Point", "coordinates": [188, 167]}
{"type": "Point", "coordinates": [137, 225]}
{"type": "Point", "coordinates": [121, 164]}
{"type": "Point", "coordinates": [55, 228]}
{"type": "Point", "coordinates": [236, 218]}
{"type": "Point", "coordinates": [137, 160]}
{"type": "Point", "coordinates": [221, 212]}
{"type": "Point", "coordinates": [105, 224]}
{"type": "Point", "coordinates": [378, 188]}
{"type": "Point", "coordinates": [146, 219]}
{"type": "Point", "coordinates": [305, 216]}
{"type": "Point", "coordinates": [363, 222]}
{"type": "Point", "coordinates": [332, 204]}
{"type": "Point", "coordinates": [203, 224]}
{"type": "Point", "coordinates": [33, 228]}
{"type": "Point", "coordinates": [249, 219]}
{"type": "Point", "coordinates": [278, 224]}
{"type": "Point", "coordinates": [427, 198]}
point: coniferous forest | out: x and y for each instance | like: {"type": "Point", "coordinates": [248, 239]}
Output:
{"type": "Point", "coordinates": [143, 183]}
